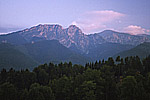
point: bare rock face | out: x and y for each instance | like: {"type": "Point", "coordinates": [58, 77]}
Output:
{"type": "Point", "coordinates": [73, 37]}
{"type": "Point", "coordinates": [68, 37]}
{"type": "Point", "coordinates": [123, 38]}
{"type": "Point", "coordinates": [43, 31]}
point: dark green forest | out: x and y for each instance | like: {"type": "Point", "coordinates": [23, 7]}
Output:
{"type": "Point", "coordinates": [112, 79]}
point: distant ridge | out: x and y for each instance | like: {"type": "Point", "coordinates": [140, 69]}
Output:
{"type": "Point", "coordinates": [91, 46]}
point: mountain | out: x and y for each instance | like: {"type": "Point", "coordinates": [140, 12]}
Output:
{"type": "Point", "coordinates": [51, 51]}
{"type": "Point", "coordinates": [123, 38]}
{"type": "Point", "coordinates": [105, 50]}
{"type": "Point", "coordinates": [11, 57]}
{"type": "Point", "coordinates": [31, 54]}
{"type": "Point", "coordinates": [72, 37]}
{"type": "Point", "coordinates": [13, 38]}
{"type": "Point", "coordinates": [141, 50]}
{"type": "Point", "coordinates": [67, 37]}
{"type": "Point", "coordinates": [96, 46]}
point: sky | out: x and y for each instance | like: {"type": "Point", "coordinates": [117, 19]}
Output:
{"type": "Point", "coordinates": [92, 16]}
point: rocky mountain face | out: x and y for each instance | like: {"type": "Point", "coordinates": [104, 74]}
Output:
{"type": "Point", "coordinates": [123, 38]}
{"type": "Point", "coordinates": [72, 37]}
{"type": "Point", "coordinates": [53, 43]}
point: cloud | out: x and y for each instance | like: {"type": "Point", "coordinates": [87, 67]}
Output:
{"type": "Point", "coordinates": [3, 33]}
{"type": "Point", "coordinates": [94, 21]}
{"type": "Point", "coordinates": [135, 30]}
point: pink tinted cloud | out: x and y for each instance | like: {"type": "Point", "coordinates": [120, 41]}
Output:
{"type": "Point", "coordinates": [3, 33]}
{"type": "Point", "coordinates": [135, 30]}
{"type": "Point", "coordinates": [148, 31]}
{"type": "Point", "coordinates": [94, 21]}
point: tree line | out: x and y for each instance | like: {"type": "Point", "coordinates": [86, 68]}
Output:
{"type": "Point", "coordinates": [119, 79]}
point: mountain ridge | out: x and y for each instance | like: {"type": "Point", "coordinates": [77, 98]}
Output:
{"type": "Point", "coordinates": [73, 38]}
{"type": "Point", "coordinates": [30, 55]}
{"type": "Point", "coordinates": [142, 50]}
{"type": "Point", "coordinates": [11, 57]}
{"type": "Point", "coordinates": [52, 51]}
{"type": "Point", "coordinates": [123, 38]}
{"type": "Point", "coordinates": [74, 35]}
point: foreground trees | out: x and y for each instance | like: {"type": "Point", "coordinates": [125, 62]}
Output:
{"type": "Point", "coordinates": [125, 79]}
{"type": "Point", "coordinates": [8, 92]}
{"type": "Point", "coordinates": [38, 92]}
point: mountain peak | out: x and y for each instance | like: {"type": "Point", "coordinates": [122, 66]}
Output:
{"type": "Point", "coordinates": [74, 29]}
{"type": "Point", "coordinates": [73, 26]}
{"type": "Point", "coordinates": [113, 32]}
{"type": "Point", "coordinates": [50, 25]}
{"type": "Point", "coordinates": [109, 31]}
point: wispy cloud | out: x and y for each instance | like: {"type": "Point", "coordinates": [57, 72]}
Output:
{"type": "Point", "coordinates": [94, 21]}
{"type": "Point", "coordinates": [9, 29]}
{"type": "Point", "coordinates": [3, 33]}
{"type": "Point", "coordinates": [135, 30]}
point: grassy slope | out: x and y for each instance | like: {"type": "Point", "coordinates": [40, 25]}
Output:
{"type": "Point", "coordinates": [141, 50]}
{"type": "Point", "coordinates": [11, 57]}
{"type": "Point", "coordinates": [52, 51]}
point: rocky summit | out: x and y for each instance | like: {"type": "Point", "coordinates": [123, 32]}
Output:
{"type": "Point", "coordinates": [73, 37]}
{"type": "Point", "coordinates": [69, 37]}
